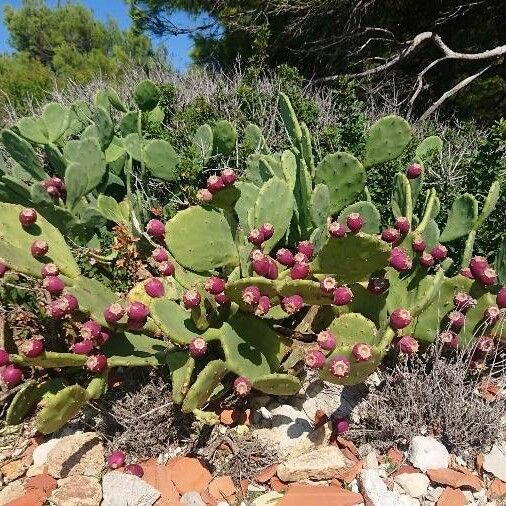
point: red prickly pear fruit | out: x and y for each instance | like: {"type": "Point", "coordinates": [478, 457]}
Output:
{"type": "Point", "coordinates": [488, 277]}
{"type": "Point", "coordinates": [160, 254]}
{"type": "Point", "coordinates": [426, 260]}
{"type": "Point", "coordinates": [299, 271]}
{"type": "Point", "coordinates": [264, 305]}
{"type": "Point", "coordinates": [251, 295]}
{"type": "Point", "coordinates": [52, 190]}
{"type": "Point", "coordinates": [222, 299]}
{"type": "Point", "coordinates": [204, 196]}
{"type": "Point", "coordinates": [337, 229]}
{"type": "Point", "coordinates": [166, 268]}
{"type": "Point", "coordinates": [114, 313]}
{"type": "Point", "coordinates": [439, 252]}
{"type": "Point", "coordinates": [292, 304]}
{"type": "Point", "coordinates": [273, 269]}
{"type": "Point", "coordinates": [242, 386]}
{"type": "Point", "coordinates": [285, 257]}
{"type": "Point", "coordinates": [400, 318]}
{"type": "Point", "coordinates": [466, 272]}
{"type": "Point", "coordinates": [407, 345]}
{"type": "Point", "coordinates": [414, 170]}
{"type": "Point", "coordinates": [154, 288]}
{"type": "Point", "coordinates": [485, 344]}
{"type": "Point", "coordinates": [492, 314]}
{"type": "Point", "coordinates": [72, 302]}
{"type": "Point", "coordinates": [96, 363]}
{"type": "Point", "coordinates": [215, 285]}
{"type": "Point", "coordinates": [306, 248]}
{"type": "Point", "coordinates": [328, 285]}
{"type": "Point", "coordinates": [32, 348]}
{"type": "Point", "coordinates": [136, 324]}
{"type": "Point", "coordinates": [228, 176]}
{"type": "Point", "coordinates": [49, 270]}
{"type": "Point", "coordinates": [400, 260]}
{"type": "Point", "coordinates": [418, 244]}
{"type": "Point", "coordinates": [53, 284]}
{"type": "Point", "coordinates": [462, 301]}
{"type": "Point", "coordinates": [39, 248]}
{"type": "Point", "coordinates": [198, 347]}
{"type": "Point", "coordinates": [267, 230]}
{"type": "Point", "coordinates": [390, 235]}
{"type": "Point", "coordinates": [340, 426]}
{"type": "Point", "coordinates": [326, 339]}
{"type": "Point", "coordinates": [362, 352]}
{"type": "Point", "coordinates": [82, 347]}
{"type": "Point", "coordinates": [260, 262]}
{"type": "Point", "coordinates": [115, 459]}
{"type": "Point", "coordinates": [342, 295]}
{"type": "Point", "coordinates": [3, 269]}
{"type": "Point", "coordinates": [137, 311]}
{"type": "Point", "coordinates": [90, 330]}
{"type": "Point", "coordinates": [315, 359]}
{"type": "Point", "coordinates": [256, 237]}
{"type": "Point", "coordinates": [378, 285]}
{"type": "Point", "coordinates": [215, 184]}
{"type": "Point", "coordinates": [58, 308]}
{"type": "Point", "coordinates": [339, 366]}
{"type": "Point", "coordinates": [155, 229]}
{"type": "Point", "coordinates": [402, 224]}
{"type": "Point", "coordinates": [500, 299]}
{"type": "Point", "coordinates": [449, 338]}
{"type": "Point", "coordinates": [354, 222]}
{"type": "Point", "coordinates": [104, 336]}
{"type": "Point", "coordinates": [27, 217]}
{"type": "Point", "coordinates": [4, 358]}
{"type": "Point", "coordinates": [456, 320]}
{"type": "Point", "coordinates": [12, 376]}
{"type": "Point", "coordinates": [477, 265]}
{"type": "Point", "coordinates": [134, 469]}
{"type": "Point", "coordinates": [191, 299]}
{"type": "Point", "coordinates": [56, 182]}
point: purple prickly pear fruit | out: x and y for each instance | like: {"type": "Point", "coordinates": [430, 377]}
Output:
{"type": "Point", "coordinates": [114, 313]}
{"type": "Point", "coordinates": [378, 285]}
{"type": "Point", "coordinates": [215, 285]}
{"type": "Point", "coordinates": [134, 469]}
{"type": "Point", "coordinates": [400, 318]}
{"type": "Point", "coordinates": [260, 262]}
{"type": "Point", "coordinates": [228, 176]}
{"type": "Point", "coordinates": [337, 229]}
{"type": "Point", "coordinates": [167, 268]}
{"type": "Point", "coordinates": [340, 426]}
{"type": "Point", "coordinates": [492, 314]}
{"type": "Point", "coordinates": [4, 358]}
{"type": "Point", "coordinates": [306, 248]}
{"type": "Point", "coordinates": [32, 348]}
{"type": "Point", "coordinates": [456, 320]}
{"type": "Point", "coordinates": [390, 235]}
{"type": "Point", "coordinates": [155, 229]}
{"type": "Point", "coordinates": [136, 324]}
{"type": "Point", "coordinates": [52, 190]}
{"type": "Point", "coordinates": [418, 244]}
{"type": "Point", "coordinates": [339, 366]}
{"type": "Point", "coordinates": [53, 284]}
{"type": "Point", "coordinates": [57, 183]}
{"type": "Point", "coordinates": [242, 386]}
{"type": "Point", "coordinates": [191, 299]}
{"type": "Point", "coordinates": [285, 257]}
{"type": "Point", "coordinates": [49, 270]}
{"type": "Point", "coordinates": [72, 302]}
{"type": "Point", "coordinates": [82, 347]}
{"type": "Point", "coordinates": [485, 344]}
{"type": "Point", "coordinates": [466, 272]}
{"type": "Point", "coordinates": [251, 295]}
{"type": "Point", "coordinates": [439, 252]}
{"type": "Point", "coordinates": [90, 330]}
{"type": "Point", "coordinates": [115, 459]}
{"type": "Point", "coordinates": [137, 311]}
{"type": "Point", "coordinates": [215, 184]}
{"type": "Point", "coordinates": [400, 260]}
{"type": "Point", "coordinates": [402, 224]}
{"type": "Point", "coordinates": [462, 301]}
{"type": "Point", "coordinates": [362, 352]}
{"type": "Point", "coordinates": [58, 308]}
{"type": "Point", "coordinates": [354, 222]}
{"type": "Point", "coordinates": [292, 304]}
{"type": "Point", "coordinates": [27, 217]}
{"type": "Point", "coordinates": [273, 269]}
{"type": "Point", "coordinates": [299, 271]}
{"type": "Point", "coordinates": [326, 339]}
{"type": "Point", "coordinates": [477, 265]}
{"type": "Point", "coordinates": [315, 359]}
{"type": "Point", "coordinates": [488, 277]}
{"type": "Point", "coordinates": [407, 345]}
{"type": "Point", "coordinates": [256, 237]}
{"type": "Point", "coordinates": [12, 376]}
{"type": "Point", "coordinates": [264, 305]}
{"type": "Point", "coordinates": [426, 260]}
{"type": "Point", "coordinates": [3, 269]}
{"type": "Point", "coordinates": [300, 258]}
{"type": "Point", "coordinates": [96, 363]}
{"type": "Point", "coordinates": [204, 196]}
{"type": "Point", "coordinates": [104, 336]}
{"type": "Point", "coordinates": [500, 299]}
{"type": "Point", "coordinates": [160, 254]}
{"type": "Point", "coordinates": [267, 230]}
{"type": "Point", "coordinates": [414, 170]}
{"type": "Point", "coordinates": [154, 288]}
{"type": "Point", "coordinates": [342, 295]}
{"type": "Point", "coordinates": [198, 347]}
{"type": "Point", "coordinates": [449, 338]}
{"type": "Point", "coordinates": [222, 299]}
{"type": "Point", "coordinates": [328, 285]}
{"type": "Point", "coordinates": [39, 248]}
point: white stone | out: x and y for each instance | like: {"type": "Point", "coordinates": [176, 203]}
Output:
{"type": "Point", "coordinates": [469, 496]}
{"type": "Point", "coordinates": [495, 461]}
{"type": "Point", "coordinates": [42, 451]}
{"type": "Point", "coordinates": [12, 491]}
{"type": "Point", "coordinates": [192, 499]}
{"type": "Point", "coordinates": [371, 461]}
{"type": "Point", "coordinates": [120, 489]}
{"type": "Point", "coordinates": [426, 452]}
{"type": "Point", "coordinates": [378, 494]}
{"type": "Point", "coordinates": [269, 499]}
{"type": "Point", "coordinates": [414, 484]}
{"type": "Point", "coordinates": [434, 493]}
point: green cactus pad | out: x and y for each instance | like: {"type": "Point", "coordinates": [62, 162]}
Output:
{"type": "Point", "coordinates": [55, 159]}
{"type": "Point", "coordinates": [115, 100]}
{"type": "Point", "coordinates": [203, 142]}
{"type": "Point", "coordinates": [371, 306]}
{"type": "Point", "coordinates": [386, 140]}
{"type": "Point", "coordinates": [245, 202]}
{"type": "Point", "coordinates": [431, 235]}
{"type": "Point", "coordinates": [289, 167]}
{"type": "Point", "coordinates": [345, 177]}
{"type": "Point", "coordinates": [23, 153]}
{"type": "Point", "coordinates": [254, 141]}
{"type": "Point", "coordinates": [320, 205]}
{"type": "Point", "coordinates": [489, 204]}
{"type": "Point", "coordinates": [110, 208]}
{"type": "Point", "coordinates": [200, 239]}
{"type": "Point", "coordinates": [23, 402]}
{"type": "Point", "coordinates": [104, 126]}
{"type": "Point", "coordinates": [401, 202]}
{"type": "Point", "coordinates": [128, 123]}
{"type": "Point", "coordinates": [147, 95]}
{"type": "Point", "coordinates": [234, 289]}
{"type": "Point", "coordinates": [428, 148]}
{"type": "Point", "coordinates": [224, 137]}
{"type": "Point", "coordinates": [173, 291]}
{"type": "Point", "coordinates": [226, 198]}
{"type": "Point", "coordinates": [19, 260]}
{"type": "Point", "coordinates": [130, 350]}
{"type": "Point", "coordinates": [277, 384]}
{"type": "Point", "coordinates": [33, 129]}
{"type": "Point", "coordinates": [461, 218]}
{"type": "Point", "coordinates": [97, 386]}
{"type": "Point", "coordinates": [161, 159]}
{"type": "Point", "coordinates": [290, 120]}
{"type": "Point", "coordinates": [352, 328]}
{"type": "Point", "coordinates": [307, 149]}
{"type": "Point", "coordinates": [309, 290]}
{"type": "Point", "coordinates": [352, 258]}
{"type": "Point", "coordinates": [369, 213]}
{"type": "Point", "coordinates": [181, 365]}
{"type": "Point", "coordinates": [499, 264]}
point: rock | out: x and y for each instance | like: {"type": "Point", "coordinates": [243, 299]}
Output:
{"type": "Point", "coordinates": [77, 491]}
{"type": "Point", "coordinates": [12, 491]}
{"type": "Point", "coordinates": [319, 464]}
{"type": "Point", "coordinates": [495, 461]}
{"type": "Point", "coordinates": [189, 474]}
{"type": "Point", "coordinates": [13, 470]}
{"type": "Point", "coordinates": [269, 499]}
{"type": "Point", "coordinates": [395, 456]}
{"type": "Point", "coordinates": [434, 493]}
{"type": "Point", "coordinates": [79, 454]}
{"type": "Point", "coordinates": [455, 479]}
{"type": "Point", "coordinates": [452, 497]}
{"type": "Point", "coordinates": [159, 477]}
{"type": "Point", "coordinates": [414, 484]}
{"type": "Point", "coordinates": [303, 495]}
{"type": "Point", "coordinates": [120, 489]}
{"type": "Point", "coordinates": [428, 453]}
{"type": "Point", "coordinates": [375, 491]}
{"type": "Point", "coordinates": [266, 474]}
{"type": "Point", "coordinates": [321, 395]}
{"type": "Point", "coordinates": [192, 499]}
{"type": "Point", "coordinates": [497, 489]}
{"type": "Point", "coordinates": [371, 461]}
{"type": "Point", "coordinates": [42, 451]}
{"type": "Point", "coordinates": [469, 496]}
{"type": "Point", "coordinates": [222, 487]}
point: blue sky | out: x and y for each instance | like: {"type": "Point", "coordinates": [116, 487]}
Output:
{"type": "Point", "coordinates": [178, 47]}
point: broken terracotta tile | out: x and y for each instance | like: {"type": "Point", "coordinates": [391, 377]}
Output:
{"type": "Point", "coordinates": [222, 488]}
{"type": "Point", "coordinates": [454, 479]}
{"type": "Point", "coordinates": [451, 497]}
{"type": "Point", "coordinates": [266, 474]}
{"type": "Point", "coordinates": [496, 489]}
{"type": "Point", "coordinates": [189, 474]}
{"type": "Point", "coordinates": [304, 495]}
{"type": "Point", "coordinates": [159, 477]}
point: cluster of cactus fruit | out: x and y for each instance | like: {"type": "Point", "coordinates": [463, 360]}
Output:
{"type": "Point", "coordinates": [281, 268]}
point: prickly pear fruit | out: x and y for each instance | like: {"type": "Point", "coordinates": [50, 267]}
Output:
{"type": "Point", "coordinates": [414, 170]}
{"type": "Point", "coordinates": [418, 244]}
{"type": "Point", "coordinates": [90, 330]}
{"type": "Point", "coordinates": [263, 306]}
{"type": "Point", "coordinates": [115, 459]}
{"type": "Point", "coordinates": [456, 320]}
{"type": "Point", "coordinates": [114, 313]}
{"type": "Point", "coordinates": [154, 288]}
{"type": "Point", "coordinates": [462, 301]}
{"type": "Point", "coordinates": [315, 359]}
{"type": "Point", "coordinates": [285, 257]}
{"type": "Point", "coordinates": [328, 285]}
{"type": "Point", "coordinates": [500, 299]}
{"type": "Point", "coordinates": [400, 318]}
{"type": "Point", "coordinates": [307, 248]}
{"type": "Point", "coordinates": [267, 230]}
{"type": "Point", "coordinates": [292, 304]}
{"type": "Point", "coordinates": [137, 311]}
{"type": "Point", "coordinates": [256, 237]}
{"type": "Point", "coordinates": [251, 295]}
{"type": "Point", "coordinates": [160, 254]}
{"type": "Point", "coordinates": [340, 426]}
{"type": "Point", "coordinates": [337, 229]}
{"type": "Point", "coordinates": [327, 340]}
{"type": "Point", "coordinates": [449, 338]}
{"type": "Point", "coordinates": [339, 366]}
{"type": "Point", "coordinates": [167, 268]}
{"type": "Point", "coordinates": [58, 308]}
{"type": "Point", "coordinates": [342, 295]}
{"type": "Point", "coordinates": [242, 386]}
{"type": "Point", "coordinates": [273, 269]}
{"type": "Point", "coordinates": [134, 469]}
{"type": "Point", "coordinates": [39, 248]}
{"type": "Point", "coordinates": [11, 376]}
{"type": "Point", "coordinates": [4, 358]}
{"type": "Point", "coordinates": [402, 225]}
{"type": "Point", "coordinates": [400, 260]}
{"type": "Point", "coordinates": [485, 344]}
{"type": "Point", "coordinates": [222, 299]}
{"type": "Point", "coordinates": [215, 285]}
{"type": "Point", "coordinates": [477, 265]}
{"type": "Point", "coordinates": [492, 314]}
{"type": "Point", "coordinates": [96, 363]}
{"type": "Point", "coordinates": [260, 262]}
{"type": "Point", "coordinates": [53, 284]}
{"type": "Point", "coordinates": [354, 222]}
{"type": "Point", "coordinates": [407, 345]}
{"type": "Point", "coordinates": [488, 277]}
{"type": "Point", "coordinates": [439, 252]}
{"type": "Point", "coordinates": [390, 235]}
{"type": "Point", "coordinates": [466, 272]}
{"type": "Point", "coordinates": [155, 229]}
{"type": "Point", "coordinates": [215, 184]}
{"type": "Point", "coordinates": [191, 299]}
{"type": "Point", "coordinates": [426, 260]}
{"type": "Point", "coordinates": [228, 176]}
{"type": "Point", "coordinates": [72, 302]}
{"type": "Point", "coordinates": [49, 270]}
{"type": "Point", "coordinates": [3, 269]}
{"type": "Point", "coordinates": [299, 271]}
{"type": "Point", "coordinates": [204, 196]}
{"type": "Point", "coordinates": [362, 352]}
{"type": "Point", "coordinates": [198, 347]}
{"type": "Point", "coordinates": [32, 348]}
{"type": "Point", "coordinates": [27, 217]}
{"type": "Point", "coordinates": [82, 347]}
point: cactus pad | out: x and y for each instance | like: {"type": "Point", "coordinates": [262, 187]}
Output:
{"type": "Point", "coordinates": [224, 137]}
{"type": "Point", "coordinates": [369, 214]}
{"type": "Point", "coordinates": [461, 218]}
{"type": "Point", "coordinates": [147, 95]}
{"type": "Point", "coordinates": [320, 205]}
{"type": "Point", "coordinates": [181, 366]}
{"type": "Point", "coordinates": [277, 384]}
{"type": "Point", "coordinates": [161, 159]}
